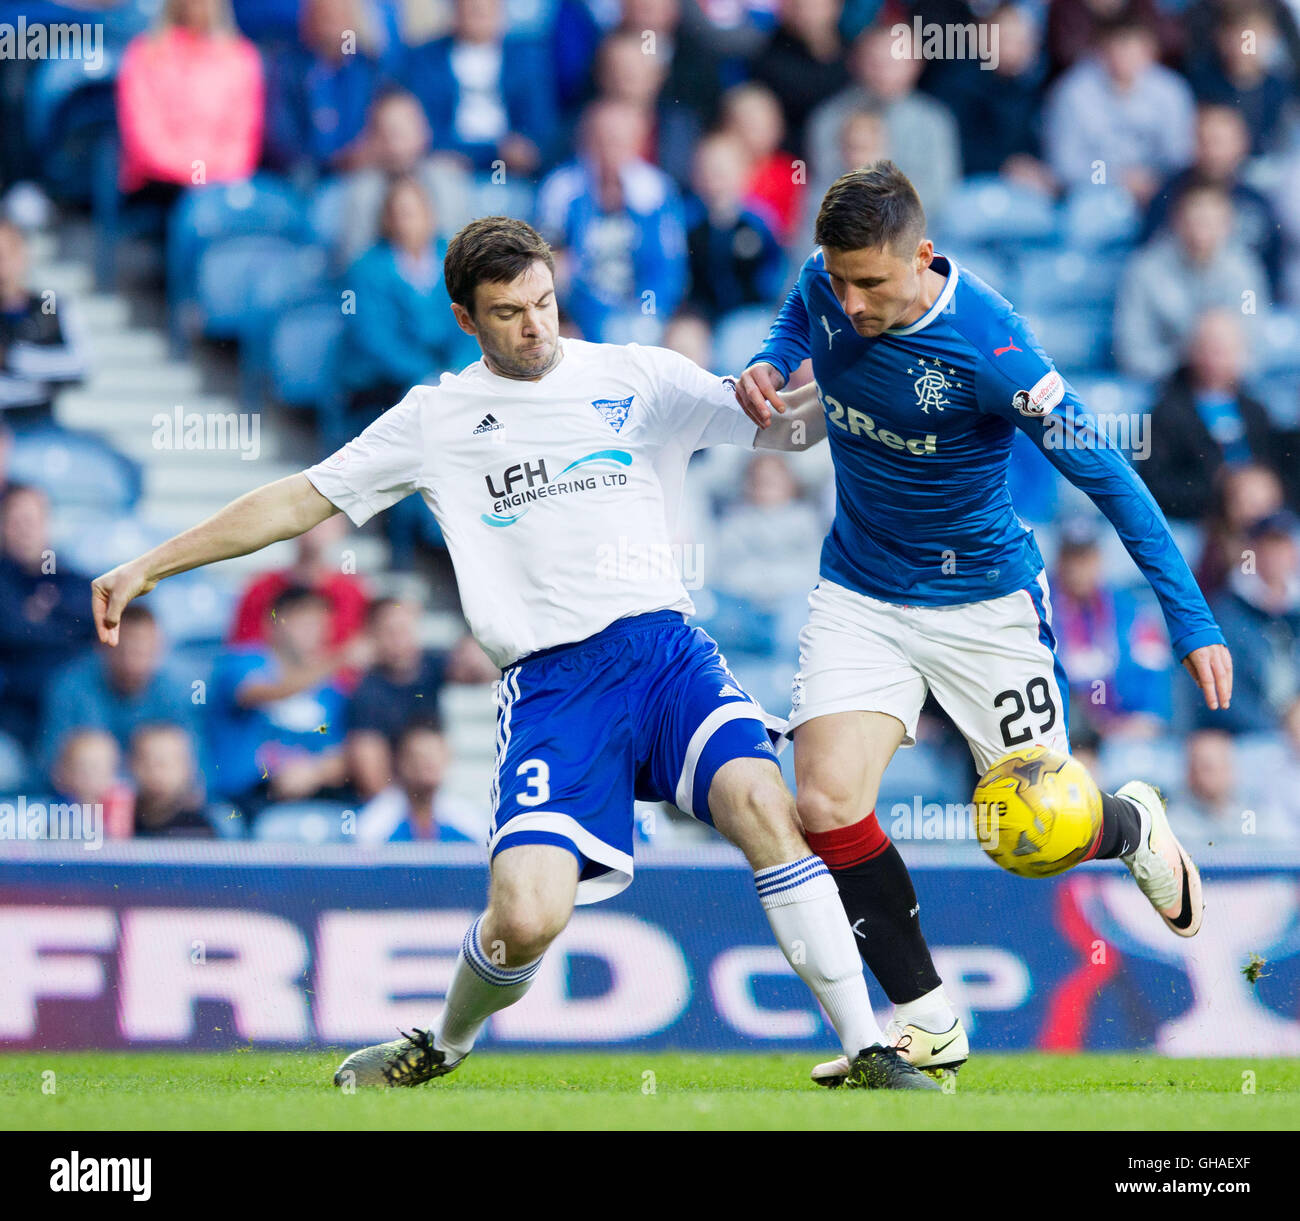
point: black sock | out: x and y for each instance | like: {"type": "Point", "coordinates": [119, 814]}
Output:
{"type": "Point", "coordinates": [1121, 828]}
{"type": "Point", "coordinates": [882, 908]}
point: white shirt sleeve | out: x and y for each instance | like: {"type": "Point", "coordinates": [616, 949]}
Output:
{"type": "Point", "coordinates": [381, 466]}
{"type": "Point", "coordinates": [694, 407]}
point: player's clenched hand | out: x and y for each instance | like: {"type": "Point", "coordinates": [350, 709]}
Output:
{"type": "Point", "coordinates": [1211, 666]}
{"type": "Point", "coordinates": [756, 391]}
{"type": "Point", "coordinates": [110, 593]}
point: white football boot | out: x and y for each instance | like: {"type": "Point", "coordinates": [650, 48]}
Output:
{"type": "Point", "coordinates": [1160, 867]}
{"type": "Point", "coordinates": [410, 1060]}
{"type": "Point", "coordinates": [939, 1055]}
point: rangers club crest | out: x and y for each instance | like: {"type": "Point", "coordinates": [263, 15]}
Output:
{"type": "Point", "coordinates": [932, 384]}
{"type": "Point", "coordinates": [614, 411]}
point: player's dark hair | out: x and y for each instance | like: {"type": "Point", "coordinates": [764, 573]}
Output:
{"type": "Point", "coordinates": [492, 250]}
{"type": "Point", "coordinates": [871, 209]}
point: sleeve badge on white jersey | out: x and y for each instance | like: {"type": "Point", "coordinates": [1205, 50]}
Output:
{"type": "Point", "coordinates": [1045, 394]}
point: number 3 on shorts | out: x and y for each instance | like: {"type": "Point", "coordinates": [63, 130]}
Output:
{"type": "Point", "coordinates": [539, 782]}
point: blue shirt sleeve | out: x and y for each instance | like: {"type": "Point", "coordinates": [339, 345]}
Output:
{"type": "Point", "coordinates": [1022, 386]}
{"type": "Point", "coordinates": [789, 341]}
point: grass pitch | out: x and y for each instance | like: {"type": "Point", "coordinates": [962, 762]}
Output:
{"type": "Point", "coordinates": [245, 1090]}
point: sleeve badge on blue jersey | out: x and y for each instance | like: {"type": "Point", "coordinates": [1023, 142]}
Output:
{"type": "Point", "coordinates": [1045, 394]}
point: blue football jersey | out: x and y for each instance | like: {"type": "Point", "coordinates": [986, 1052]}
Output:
{"type": "Point", "coordinates": [920, 421]}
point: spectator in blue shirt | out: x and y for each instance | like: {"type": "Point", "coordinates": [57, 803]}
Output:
{"type": "Point", "coordinates": [319, 88]}
{"type": "Point", "coordinates": [403, 330]}
{"type": "Point", "coordinates": [734, 258]}
{"type": "Point", "coordinates": [276, 711]}
{"type": "Point", "coordinates": [615, 222]}
{"type": "Point", "coordinates": [117, 689]}
{"type": "Point", "coordinates": [44, 610]}
{"type": "Point", "coordinates": [489, 96]}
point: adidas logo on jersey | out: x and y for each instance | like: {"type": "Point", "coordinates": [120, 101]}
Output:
{"type": "Point", "coordinates": [489, 424]}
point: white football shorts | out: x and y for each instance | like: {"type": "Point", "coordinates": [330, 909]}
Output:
{"type": "Point", "coordinates": [991, 665]}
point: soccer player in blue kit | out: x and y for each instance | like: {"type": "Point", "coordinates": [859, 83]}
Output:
{"type": "Point", "coordinates": [931, 583]}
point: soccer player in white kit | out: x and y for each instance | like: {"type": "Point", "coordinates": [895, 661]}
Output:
{"type": "Point", "coordinates": [544, 462]}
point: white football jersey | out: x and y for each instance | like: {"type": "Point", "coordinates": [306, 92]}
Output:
{"type": "Point", "coordinates": [557, 499]}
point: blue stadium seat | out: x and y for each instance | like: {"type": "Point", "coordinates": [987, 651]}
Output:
{"type": "Point", "coordinates": [192, 609]}
{"type": "Point", "coordinates": [1112, 393]}
{"type": "Point", "coordinates": [262, 205]}
{"type": "Point", "coordinates": [1277, 341]}
{"type": "Point", "coordinates": [228, 271]}
{"type": "Point", "coordinates": [75, 468]}
{"type": "Point", "coordinates": [302, 354]}
{"type": "Point", "coordinates": [1066, 279]}
{"type": "Point", "coordinates": [990, 266]}
{"type": "Point", "coordinates": [1100, 217]}
{"type": "Point", "coordinates": [1158, 761]}
{"type": "Point", "coordinates": [96, 541]}
{"type": "Point", "coordinates": [325, 211]}
{"type": "Point", "coordinates": [989, 211]}
{"type": "Point", "coordinates": [1075, 339]}
{"type": "Point", "coordinates": [296, 275]}
{"type": "Point", "coordinates": [67, 109]}
{"type": "Point", "coordinates": [301, 822]}
{"type": "Point", "coordinates": [738, 336]}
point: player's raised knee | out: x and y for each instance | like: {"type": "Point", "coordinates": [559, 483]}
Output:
{"type": "Point", "coordinates": [519, 934]}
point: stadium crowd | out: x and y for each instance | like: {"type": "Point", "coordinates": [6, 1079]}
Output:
{"type": "Point", "coordinates": [1125, 171]}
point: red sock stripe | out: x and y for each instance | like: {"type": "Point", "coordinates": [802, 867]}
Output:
{"type": "Point", "coordinates": [845, 847]}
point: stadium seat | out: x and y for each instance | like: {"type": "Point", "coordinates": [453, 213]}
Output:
{"type": "Point", "coordinates": [1159, 761]}
{"type": "Point", "coordinates": [1277, 342]}
{"type": "Point", "coordinates": [301, 822]}
{"type": "Point", "coordinates": [302, 354]}
{"type": "Point", "coordinates": [227, 274]}
{"type": "Point", "coordinates": [68, 108]}
{"type": "Point", "coordinates": [997, 272]}
{"type": "Point", "coordinates": [94, 541]}
{"type": "Point", "coordinates": [1076, 338]}
{"type": "Point", "coordinates": [738, 336]}
{"type": "Point", "coordinates": [1096, 218]}
{"type": "Point", "coordinates": [989, 211]}
{"type": "Point", "coordinates": [261, 205]}
{"type": "Point", "coordinates": [325, 211]}
{"type": "Point", "coordinates": [1112, 393]}
{"type": "Point", "coordinates": [75, 469]}
{"type": "Point", "coordinates": [294, 276]}
{"type": "Point", "coordinates": [193, 609]}
{"type": "Point", "coordinates": [1066, 279]}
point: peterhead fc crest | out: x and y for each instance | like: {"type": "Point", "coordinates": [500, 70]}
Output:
{"type": "Point", "coordinates": [614, 411]}
{"type": "Point", "coordinates": [932, 384]}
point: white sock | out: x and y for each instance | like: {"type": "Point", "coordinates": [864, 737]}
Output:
{"type": "Point", "coordinates": [804, 909]}
{"type": "Point", "coordinates": [479, 988]}
{"type": "Point", "coordinates": [932, 1012]}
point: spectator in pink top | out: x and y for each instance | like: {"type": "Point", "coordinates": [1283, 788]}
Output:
{"type": "Point", "coordinates": [190, 100]}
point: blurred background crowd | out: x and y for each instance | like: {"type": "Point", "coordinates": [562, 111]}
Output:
{"type": "Point", "coordinates": [221, 255]}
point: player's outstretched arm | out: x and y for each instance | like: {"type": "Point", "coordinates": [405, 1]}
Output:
{"type": "Point", "coordinates": [283, 509]}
